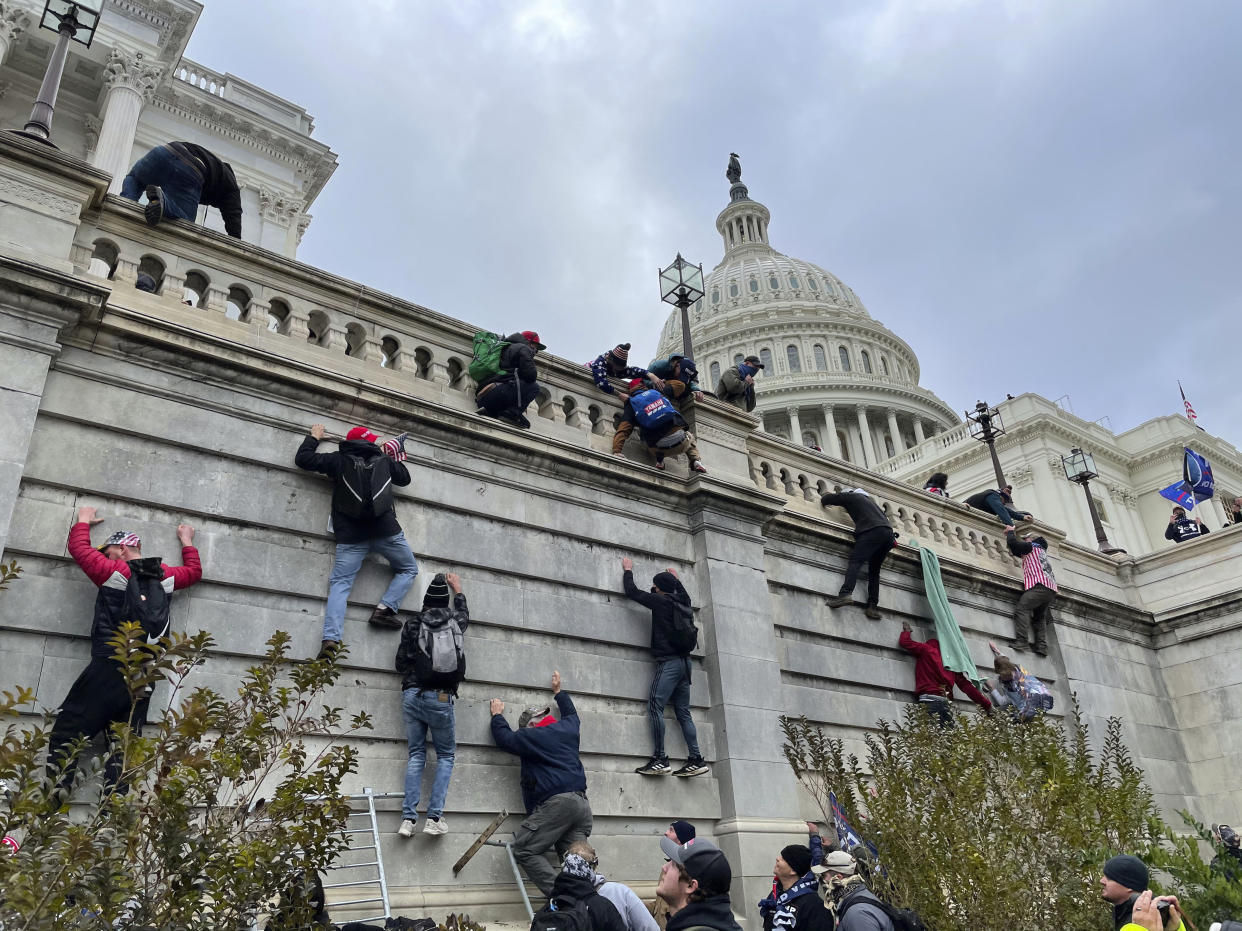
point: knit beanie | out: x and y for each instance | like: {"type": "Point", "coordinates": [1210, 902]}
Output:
{"type": "Point", "coordinates": [621, 353]}
{"type": "Point", "coordinates": [665, 582]}
{"type": "Point", "coordinates": [798, 856]}
{"type": "Point", "coordinates": [1127, 870]}
{"type": "Point", "coordinates": [685, 831]}
{"type": "Point", "coordinates": [437, 595]}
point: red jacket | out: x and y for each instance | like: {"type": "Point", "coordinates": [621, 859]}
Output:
{"type": "Point", "coordinates": [930, 676]}
{"type": "Point", "coordinates": [99, 568]}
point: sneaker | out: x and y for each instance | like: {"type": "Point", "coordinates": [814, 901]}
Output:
{"type": "Point", "coordinates": [407, 828]}
{"type": "Point", "coordinates": [839, 601]}
{"type": "Point", "coordinates": [660, 464]}
{"type": "Point", "coordinates": [656, 766]}
{"type": "Point", "coordinates": [697, 466]}
{"type": "Point", "coordinates": [435, 827]}
{"type": "Point", "coordinates": [693, 767]}
{"type": "Point", "coordinates": [872, 612]}
{"type": "Point", "coordinates": [328, 649]}
{"type": "Point", "coordinates": [384, 616]}
{"type": "Point", "coordinates": [154, 210]}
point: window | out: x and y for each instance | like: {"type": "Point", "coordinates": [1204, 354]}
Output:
{"type": "Point", "coordinates": [765, 356]}
{"type": "Point", "coordinates": [791, 355]}
{"type": "Point", "coordinates": [828, 287]}
{"type": "Point", "coordinates": [236, 303]}
{"type": "Point", "coordinates": [154, 268]}
{"type": "Point", "coordinates": [103, 259]}
{"type": "Point", "coordinates": [355, 339]}
{"type": "Point", "coordinates": [844, 355]}
{"type": "Point", "coordinates": [793, 281]}
{"type": "Point", "coordinates": [843, 446]}
{"type": "Point", "coordinates": [739, 359]}
{"type": "Point", "coordinates": [277, 315]}
{"type": "Point", "coordinates": [733, 290]}
{"type": "Point", "coordinates": [821, 360]}
{"type": "Point", "coordinates": [1099, 508]}
{"type": "Point", "coordinates": [884, 364]}
{"type": "Point", "coordinates": [813, 283]}
{"type": "Point", "coordinates": [866, 361]}
{"type": "Point", "coordinates": [774, 284]}
{"type": "Point", "coordinates": [754, 286]}
{"type": "Point", "coordinates": [715, 370]}
{"type": "Point", "coordinates": [715, 295]}
{"type": "Point", "coordinates": [195, 288]}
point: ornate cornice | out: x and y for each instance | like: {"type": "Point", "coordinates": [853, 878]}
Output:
{"type": "Point", "coordinates": [172, 22]}
{"type": "Point", "coordinates": [14, 20]}
{"type": "Point", "coordinates": [134, 71]}
{"type": "Point", "coordinates": [279, 207]}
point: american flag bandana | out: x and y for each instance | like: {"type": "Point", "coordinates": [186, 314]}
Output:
{"type": "Point", "coordinates": [394, 449]}
{"type": "Point", "coordinates": [121, 538]}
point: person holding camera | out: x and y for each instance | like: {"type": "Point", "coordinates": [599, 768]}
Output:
{"type": "Point", "coordinates": [1153, 912]}
{"type": "Point", "coordinates": [1122, 885]}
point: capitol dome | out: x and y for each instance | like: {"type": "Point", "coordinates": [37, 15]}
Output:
{"type": "Point", "coordinates": [834, 377]}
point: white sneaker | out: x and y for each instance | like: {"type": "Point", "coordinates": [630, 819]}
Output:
{"type": "Point", "coordinates": [407, 828]}
{"type": "Point", "coordinates": [435, 827]}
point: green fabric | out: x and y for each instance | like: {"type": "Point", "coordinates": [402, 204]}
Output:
{"type": "Point", "coordinates": [953, 650]}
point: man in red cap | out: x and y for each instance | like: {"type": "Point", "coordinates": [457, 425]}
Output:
{"type": "Point", "coordinates": [364, 520]}
{"type": "Point", "coordinates": [506, 395]}
{"type": "Point", "coordinates": [132, 588]}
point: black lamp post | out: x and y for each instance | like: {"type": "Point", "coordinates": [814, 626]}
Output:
{"type": "Point", "coordinates": [682, 284]}
{"type": "Point", "coordinates": [985, 426]}
{"type": "Point", "coordinates": [1080, 467]}
{"type": "Point", "coordinates": [74, 20]}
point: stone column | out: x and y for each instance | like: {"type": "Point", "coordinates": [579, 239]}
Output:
{"type": "Point", "coordinates": [14, 20]}
{"type": "Point", "coordinates": [830, 428]}
{"type": "Point", "coordinates": [130, 80]}
{"type": "Point", "coordinates": [919, 437]}
{"type": "Point", "coordinates": [795, 425]}
{"type": "Point", "coordinates": [899, 445]}
{"type": "Point", "coordinates": [868, 448]}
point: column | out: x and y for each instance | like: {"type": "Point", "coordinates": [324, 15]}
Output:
{"type": "Point", "coordinates": [130, 80]}
{"type": "Point", "coordinates": [14, 20]}
{"type": "Point", "coordinates": [899, 445]}
{"type": "Point", "coordinates": [830, 429]}
{"type": "Point", "coordinates": [795, 425]}
{"type": "Point", "coordinates": [868, 448]}
{"type": "Point", "coordinates": [919, 437]}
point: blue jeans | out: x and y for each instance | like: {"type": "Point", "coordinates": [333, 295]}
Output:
{"type": "Point", "coordinates": [181, 184]}
{"type": "Point", "coordinates": [345, 568]}
{"type": "Point", "coordinates": [423, 713]}
{"type": "Point", "coordinates": [996, 504]}
{"type": "Point", "coordinates": [672, 681]}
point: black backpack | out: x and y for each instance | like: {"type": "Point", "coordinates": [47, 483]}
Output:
{"type": "Point", "coordinates": [683, 636]}
{"type": "Point", "coordinates": [146, 602]}
{"type": "Point", "coordinates": [364, 487]}
{"type": "Point", "coordinates": [563, 913]}
{"type": "Point", "coordinates": [902, 919]}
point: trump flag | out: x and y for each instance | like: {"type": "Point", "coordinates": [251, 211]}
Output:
{"type": "Point", "coordinates": [1197, 483]}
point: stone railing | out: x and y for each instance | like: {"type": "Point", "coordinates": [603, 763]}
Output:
{"type": "Point", "coordinates": [203, 78]}
{"type": "Point", "coordinates": [933, 447]}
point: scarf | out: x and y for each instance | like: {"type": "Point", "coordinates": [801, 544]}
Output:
{"type": "Point", "coordinates": [838, 889]}
{"type": "Point", "coordinates": [576, 865]}
{"type": "Point", "coordinates": [743, 369]}
{"type": "Point", "coordinates": [808, 883]}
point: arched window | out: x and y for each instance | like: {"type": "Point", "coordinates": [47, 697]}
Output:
{"type": "Point", "coordinates": [753, 284]}
{"type": "Point", "coordinates": [277, 316]}
{"type": "Point", "coordinates": [715, 370]}
{"type": "Point", "coordinates": [715, 295]}
{"type": "Point", "coordinates": [733, 291]}
{"type": "Point", "coordinates": [866, 361]}
{"type": "Point", "coordinates": [153, 267]}
{"type": "Point", "coordinates": [828, 288]}
{"type": "Point", "coordinates": [195, 288]}
{"type": "Point", "coordinates": [844, 355]}
{"type": "Point", "coordinates": [103, 259]}
{"type": "Point", "coordinates": [821, 359]}
{"type": "Point", "coordinates": [793, 281]}
{"type": "Point", "coordinates": [355, 339]}
{"type": "Point", "coordinates": [813, 283]}
{"type": "Point", "coordinates": [236, 303]}
{"type": "Point", "coordinates": [739, 359]}
{"type": "Point", "coordinates": [791, 355]}
{"type": "Point", "coordinates": [389, 348]}
{"type": "Point", "coordinates": [773, 283]}
{"type": "Point", "coordinates": [317, 327]}
{"type": "Point", "coordinates": [765, 356]}
{"type": "Point", "coordinates": [884, 364]}
{"type": "Point", "coordinates": [843, 446]}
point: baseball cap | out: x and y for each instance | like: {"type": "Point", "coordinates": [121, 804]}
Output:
{"type": "Point", "coordinates": [533, 713]}
{"type": "Point", "coordinates": [361, 433]}
{"type": "Point", "coordinates": [838, 862]}
{"type": "Point", "coordinates": [121, 538]}
{"type": "Point", "coordinates": [703, 862]}
{"type": "Point", "coordinates": [753, 360]}
{"type": "Point", "coordinates": [533, 338]}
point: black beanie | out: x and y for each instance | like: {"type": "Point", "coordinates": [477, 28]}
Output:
{"type": "Point", "coordinates": [437, 593]}
{"type": "Point", "coordinates": [1126, 870]}
{"type": "Point", "coordinates": [798, 856]}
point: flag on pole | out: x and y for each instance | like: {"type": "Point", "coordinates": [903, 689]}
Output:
{"type": "Point", "coordinates": [1197, 483]}
{"type": "Point", "coordinates": [1190, 411]}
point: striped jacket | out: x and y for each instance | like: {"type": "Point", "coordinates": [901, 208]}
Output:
{"type": "Point", "coordinates": [1036, 567]}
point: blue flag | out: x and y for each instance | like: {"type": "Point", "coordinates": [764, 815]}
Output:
{"type": "Point", "coordinates": [847, 837]}
{"type": "Point", "coordinates": [1197, 483]}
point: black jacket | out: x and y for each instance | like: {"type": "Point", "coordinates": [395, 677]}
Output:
{"type": "Point", "coordinates": [805, 913]}
{"type": "Point", "coordinates": [1124, 912]}
{"type": "Point", "coordinates": [713, 912]}
{"type": "Point", "coordinates": [661, 607]}
{"type": "Point", "coordinates": [550, 763]}
{"type": "Point", "coordinates": [518, 356]}
{"type": "Point", "coordinates": [866, 514]}
{"type": "Point", "coordinates": [1185, 529]}
{"type": "Point", "coordinates": [352, 529]}
{"type": "Point", "coordinates": [412, 662]}
{"type": "Point", "coordinates": [604, 915]}
{"type": "Point", "coordinates": [219, 187]}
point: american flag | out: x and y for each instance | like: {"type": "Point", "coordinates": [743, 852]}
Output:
{"type": "Point", "coordinates": [1190, 411]}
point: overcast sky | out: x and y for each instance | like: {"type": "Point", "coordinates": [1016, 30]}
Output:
{"type": "Point", "coordinates": [1037, 196]}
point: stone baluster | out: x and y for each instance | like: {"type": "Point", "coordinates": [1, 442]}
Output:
{"type": "Point", "coordinates": [372, 351]}
{"type": "Point", "coordinates": [216, 300]}
{"type": "Point", "coordinates": [130, 80]}
{"type": "Point", "coordinates": [126, 271]}
{"type": "Point", "coordinates": [335, 338]}
{"type": "Point", "coordinates": [299, 325]}
{"type": "Point", "coordinates": [830, 428]}
{"type": "Point", "coordinates": [80, 256]}
{"type": "Point", "coordinates": [438, 373]}
{"type": "Point", "coordinates": [899, 445]}
{"type": "Point", "coordinates": [256, 314]}
{"type": "Point", "coordinates": [173, 286]}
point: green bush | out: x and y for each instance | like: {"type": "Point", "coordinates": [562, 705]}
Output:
{"type": "Point", "coordinates": [990, 823]}
{"type": "Point", "coordinates": [186, 847]}
{"type": "Point", "coordinates": [1208, 894]}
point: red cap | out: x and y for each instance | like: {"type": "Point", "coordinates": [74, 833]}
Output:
{"type": "Point", "coordinates": [636, 383]}
{"type": "Point", "coordinates": [533, 338]}
{"type": "Point", "coordinates": [361, 433]}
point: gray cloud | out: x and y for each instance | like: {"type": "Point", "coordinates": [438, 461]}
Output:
{"type": "Point", "coordinates": [1037, 197]}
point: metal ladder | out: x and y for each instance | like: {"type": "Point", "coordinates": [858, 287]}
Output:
{"type": "Point", "coordinates": [368, 798]}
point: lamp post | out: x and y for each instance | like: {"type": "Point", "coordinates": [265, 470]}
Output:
{"type": "Point", "coordinates": [1080, 468]}
{"type": "Point", "coordinates": [682, 284]}
{"type": "Point", "coordinates": [74, 20]}
{"type": "Point", "coordinates": [985, 426]}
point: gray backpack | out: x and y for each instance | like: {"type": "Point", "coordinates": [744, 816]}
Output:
{"type": "Point", "coordinates": [442, 659]}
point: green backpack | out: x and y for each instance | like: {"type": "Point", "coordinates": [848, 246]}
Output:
{"type": "Point", "coordinates": [487, 350]}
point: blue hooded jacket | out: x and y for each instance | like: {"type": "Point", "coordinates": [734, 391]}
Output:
{"type": "Point", "coordinates": [550, 763]}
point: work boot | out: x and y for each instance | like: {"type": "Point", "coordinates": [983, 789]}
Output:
{"type": "Point", "coordinates": [384, 616]}
{"type": "Point", "coordinates": [328, 649]}
{"type": "Point", "coordinates": [1018, 644]}
{"type": "Point", "coordinates": [872, 612]}
{"type": "Point", "coordinates": [656, 766]}
{"type": "Point", "coordinates": [695, 766]}
{"type": "Point", "coordinates": [1041, 647]}
{"type": "Point", "coordinates": [154, 210]}
{"type": "Point", "coordinates": [839, 601]}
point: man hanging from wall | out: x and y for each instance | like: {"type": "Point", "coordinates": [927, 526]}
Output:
{"type": "Point", "coordinates": [680, 376]}
{"type": "Point", "coordinates": [179, 176]}
{"type": "Point", "coordinates": [553, 783]}
{"type": "Point", "coordinates": [364, 520]}
{"type": "Point", "coordinates": [615, 363]}
{"type": "Point", "coordinates": [132, 588]}
{"type": "Point", "coordinates": [873, 538]}
{"type": "Point", "coordinates": [933, 683]}
{"type": "Point", "coordinates": [1039, 591]}
{"type": "Point", "coordinates": [660, 426]}
{"type": "Point", "coordinates": [504, 370]}
{"type": "Point", "coordinates": [999, 503]}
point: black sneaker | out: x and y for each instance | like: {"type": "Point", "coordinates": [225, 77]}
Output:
{"type": "Point", "coordinates": [693, 767]}
{"type": "Point", "coordinates": [839, 601]}
{"type": "Point", "coordinates": [656, 766]}
{"type": "Point", "coordinates": [384, 616]}
{"type": "Point", "coordinates": [522, 422]}
{"type": "Point", "coordinates": [329, 649]}
{"type": "Point", "coordinates": [154, 210]}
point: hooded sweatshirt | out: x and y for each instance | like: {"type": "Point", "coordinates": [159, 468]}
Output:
{"type": "Point", "coordinates": [863, 511]}
{"type": "Point", "coordinates": [930, 676]}
{"type": "Point", "coordinates": [662, 607]}
{"type": "Point", "coordinates": [714, 912]}
{"type": "Point", "coordinates": [368, 526]}
{"type": "Point", "coordinates": [577, 881]}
